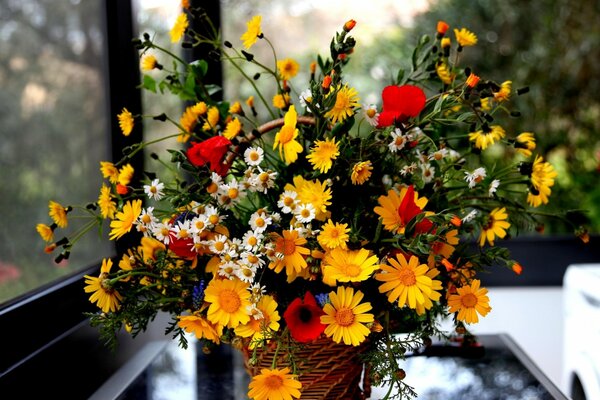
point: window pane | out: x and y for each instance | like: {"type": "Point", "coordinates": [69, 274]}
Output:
{"type": "Point", "coordinates": [53, 132]}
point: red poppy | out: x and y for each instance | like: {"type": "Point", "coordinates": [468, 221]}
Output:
{"type": "Point", "coordinates": [183, 248]}
{"type": "Point", "coordinates": [408, 210]}
{"type": "Point", "coordinates": [210, 151]}
{"type": "Point", "coordinates": [303, 318]}
{"type": "Point", "coordinates": [400, 103]}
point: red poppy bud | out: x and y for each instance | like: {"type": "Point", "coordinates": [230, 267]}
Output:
{"type": "Point", "coordinates": [122, 189]}
{"type": "Point", "coordinates": [211, 151]}
{"type": "Point", "coordinates": [400, 103]}
{"type": "Point", "coordinates": [442, 27]}
{"type": "Point", "coordinates": [517, 268]}
{"type": "Point", "coordinates": [326, 82]}
{"type": "Point", "coordinates": [349, 25]}
{"type": "Point", "coordinates": [472, 80]}
{"type": "Point", "coordinates": [313, 67]}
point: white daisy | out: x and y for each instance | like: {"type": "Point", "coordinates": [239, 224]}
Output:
{"type": "Point", "coordinates": [408, 169]}
{"type": "Point", "coordinates": [371, 114]}
{"type": "Point", "coordinates": [252, 259]}
{"type": "Point", "coordinates": [305, 213]}
{"type": "Point", "coordinates": [469, 217]}
{"type": "Point", "coordinates": [288, 201]}
{"type": "Point", "coordinates": [198, 224]}
{"type": "Point", "coordinates": [427, 172]}
{"type": "Point", "coordinates": [493, 187]}
{"type": "Point", "coordinates": [475, 177]}
{"type": "Point", "coordinates": [253, 155]}
{"type": "Point", "coordinates": [264, 180]}
{"type": "Point", "coordinates": [252, 240]}
{"type": "Point", "coordinates": [254, 311]}
{"type": "Point", "coordinates": [154, 190]}
{"type": "Point", "coordinates": [212, 213]}
{"type": "Point", "coordinates": [146, 221]}
{"type": "Point", "coordinates": [398, 141]}
{"type": "Point", "coordinates": [162, 232]}
{"type": "Point", "coordinates": [305, 98]}
{"type": "Point", "coordinates": [259, 221]}
{"type": "Point", "coordinates": [246, 273]}
{"type": "Point", "coordinates": [181, 229]}
{"type": "Point", "coordinates": [438, 155]}
{"type": "Point", "coordinates": [228, 269]}
{"type": "Point", "coordinates": [219, 245]}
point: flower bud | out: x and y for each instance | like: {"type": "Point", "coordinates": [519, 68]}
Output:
{"type": "Point", "coordinates": [442, 28]}
{"type": "Point", "coordinates": [472, 80]}
{"type": "Point", "coordinates": [349, 25]}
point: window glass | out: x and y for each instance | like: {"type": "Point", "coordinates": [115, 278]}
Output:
{"type": "Point", "coordinates": [53, 132]}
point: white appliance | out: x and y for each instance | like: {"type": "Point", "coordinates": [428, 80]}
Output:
{"type": "Point", "coordinates": [581, 372]}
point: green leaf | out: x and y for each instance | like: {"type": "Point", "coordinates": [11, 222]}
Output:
{"type": "Point", "coordinates": [400, 77]}
{"type": "Point", "coordinates": [149, 83]}
{"type": "Point", "coordinates": [212, 89]}
{"type": "Point", "coordinates": [200, 67]}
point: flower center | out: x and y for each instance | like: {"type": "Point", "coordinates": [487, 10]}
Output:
{"type": "Point", "coordinates": [153, 189]}
{"type": "Point", "coordinates": [233, 193]}
{"type": "Point", "coordinates": [219, 246]}
{"type": "Point", "coordinates": [344, 316]}
{"type": "Point", "coordinates": [263, 177]}
{"type": "Point", "coordinates": [371, 112]}
{"type": "Point", "coordinates": [273, 382]}
{"type": "Point", "coordinates": [252, 241]}
{"type": "Point", "coordinates": [183, 234]}
{"type": "Point", "coordinates": [288, 201]}
{"type": "Point", "coordinates": [212, 188]}
{"type": "Point", "coordinates": [200, 225]}
{"type": "Point", "coordinates": [305, 213]}
{"type": "Point", "coordinates": [469, 300]}
{"type": "Point", "coordinates": [213, 219]}
{"type": "Point", "coordinates": [352, 270]}
{"type": "Point", "coordinates": [146, 219]}
{"type": "Point", "coordinates": [259, 222]}
{"type": "Point", "coordinates": [229, 301]}
{"type": "Point", "coordinates": [252, 259]}
{"type": "Point", "coordinates": [305, 315]}
{"type": "Point", "coordinates": [408, 278]}
{"type": "Point", "coordinates": [254, 156]}
{"type": "Point", "coordinates": [289, 247]}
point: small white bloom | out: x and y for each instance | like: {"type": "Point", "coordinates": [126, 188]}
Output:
{"type": "Point", "coordinates": [246, 273]}
{"type": "Point", "coordinates": [254, 156]}
{"type": "Point", "coordinates": [146, 221]}
{"type": "Point", "coordinates": [154, 190]}
{"type": "Point", "coordinates": [257, 290]}
{"type": "Point", "coordinates": [182, 229]}
{"type": "Point", "coordinates": [493, 187]}
{"type": "Point", "coordinates": [288, 201]}
{"type": "Point", "coordinates": [398, 141]}
{"type": "Point", "coordinates": [228, 269]}
{"type": "Point", "coordinates": [469, 217]}
{"type": "Point", "coordinates": [219, 245]}
{"type": "Point", "coordinates": [427, 172]}
{"type": "Point", "coordinates": [264, 180]}
{"type": "Point", "coordinates": [387, 180]}
{"type": "Point", "coordinates": [305, 97]}
{"type": "Point", "coordinates": [408, 169]}
{"type": "Point", "coordinates": [305, 213]}
{"type": "Point", "coordinates": [252, 260]}
{"type": "Point", "coordinates": [162, 232]}
{"type": "Point", "coordinates": [439, 155]}
{"type": "Point", "coordinates": [254, 312]}
{"type": "Point", "coordinates": [475, 177]}
{"type": "Point", "coordinates": [415, 133]}
{"type": "Point", "coordinates": [252, 240]}
{"type": "Point", "coordinates": [371, 114]}
{"type": "Point", "coordinates": [259, 221]}
{"type": "Point", "coordinates": [198, 224]}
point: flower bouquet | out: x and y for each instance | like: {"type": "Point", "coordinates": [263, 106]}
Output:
{"type": "Point", "coordinates": [324, 221]}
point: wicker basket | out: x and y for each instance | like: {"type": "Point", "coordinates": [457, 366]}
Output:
{"type": "Point", "coordinates": [327, 370]}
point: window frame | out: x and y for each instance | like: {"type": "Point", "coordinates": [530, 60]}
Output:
{"type": "Point", "coordinates": [37, 320]}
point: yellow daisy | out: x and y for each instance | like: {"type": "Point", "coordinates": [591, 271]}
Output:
{"type": "Point", "coordinates": [464, 37]}
{"type": "Point", "coordinates": [258, 328]}
{"type": "Point", "coordinates": [281, 101]}
{"type": "Point", "coordinates": [124, 220]}
{"type": "Point", "coordinates": [179, 28]}
{"type": "Point", "coordinates": [125, 175]}
{"type": "Point", "coordinates": [444, 73]}
{"type": "Point", "coordinates": [342, 265]}
{"type": "Point", "coordinates": [504, 92]}
{"type": "Point", "coordinates": [45, 231]}
{"type": "Point", "coordinates": [323, 153]}
{"type": "Point", "coordinates": [288, 68]}
{"type": "Point", "coordinates": [274, 384]}
{"type": "Point", "coordinates": [253, 32]}
{"type": "Point", "coordinates": [212, 119]}
{"type": "Point", "coordinates": [149, 62]}
{"type": "Point", "coordinates": [333, 235]}
{"type": "Point", "coordinates": [525, 143]}
{"type": "Point", "coordinates": [233, 128]}
{"type": "Point", "coordinates": [542, 179]}
{"type": "Point", "coordinates": [228, 299]}
{"type": "Point", "coordinates": [201, 327]}
{"type": "Point", "coordinates": [58, 213]}
{"type": "Point", "coordinates": [107, 206]}
{"type": "Point", "coordinates": [345, 316]}
{"type": "Point", "coordinates": [125, 122]}
{"type": "Point", "coordinates": [485, 138]}
{"type": "Point", "coordinates": [388, 209]}
{"type": "Point", "coordinates": [361, 172]}
{"type": "Point", "coordinates": [103, 294]}
{"type": "Point", "coordinates": [405, 281]}
{"type": "Point", "coordinates": [314, 192]}
{"type": "Point", "coordinates": [289, 246]}
{"type": "Point", "coordinates": [434, 295]}
{"type": "Point", "coordinates": [285, 139]}
{"type": "Point", "coordinates": [470, 301]}
{"type": "Point", "coordinates": [345, 102]}
{"type": "Point", "coordinates": [496, 226]}
{"type": "Point", "coordinates": [109, 171]}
